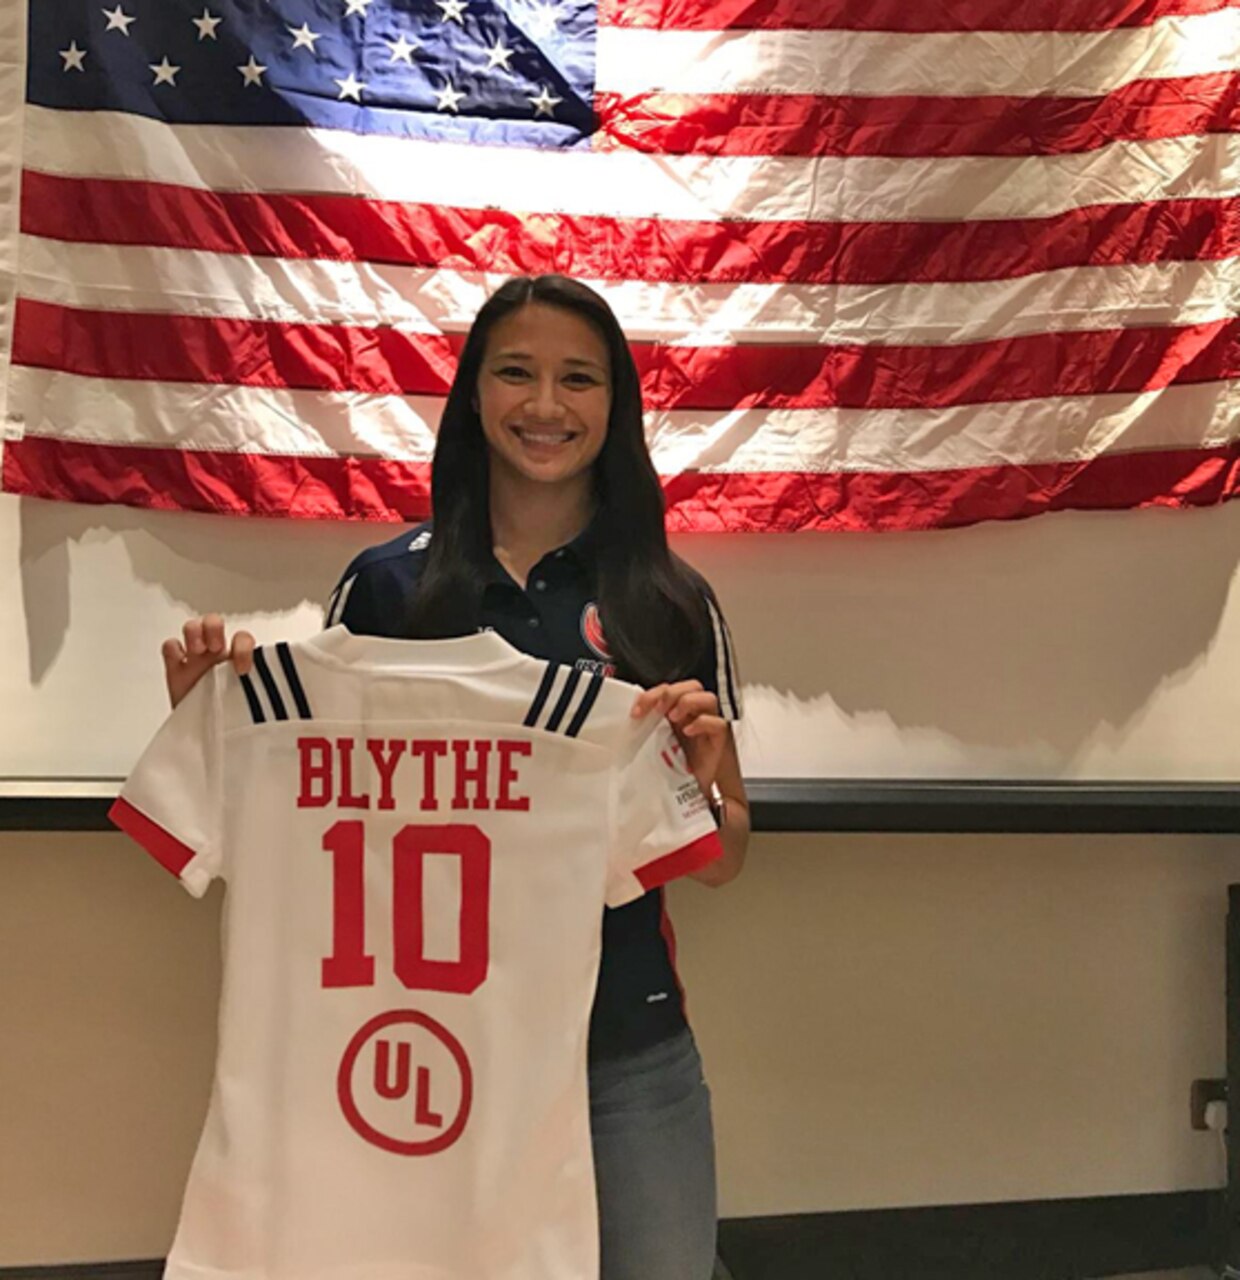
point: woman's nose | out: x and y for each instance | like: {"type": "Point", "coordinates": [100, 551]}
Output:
{"type": "Point", "coordinates": [546, 401]}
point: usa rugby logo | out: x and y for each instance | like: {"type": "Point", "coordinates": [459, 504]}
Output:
{"type": "Point", "coordinates": [592, 631]}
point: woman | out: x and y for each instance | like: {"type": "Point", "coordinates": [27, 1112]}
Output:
{"type": "Point", "coordinates": [548, 527]}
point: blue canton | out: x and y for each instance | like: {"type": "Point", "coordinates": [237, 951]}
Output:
{"type": "Point", "coordinates": [487, 71]}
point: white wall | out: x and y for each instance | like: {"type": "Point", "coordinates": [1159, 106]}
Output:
{"type": "Point", "coordinates": [885, 1020]}
{"type": "Point", "coordinates": [1075, 645]}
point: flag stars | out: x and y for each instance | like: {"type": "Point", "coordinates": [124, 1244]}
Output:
{"type": "Point", "coordinates": [73, 57]}
{"type": "Point", "coordinates": [303, 37]}
{"type": "Point", "coordinates": [543, 20]}
{"type": "Point", "coordinates": [448, 97]}
{"type": "Point", "coordinates": [252, 73]}
{"type": "Point", "coordinates": [356, 7]}
{"type": "Point", "coordinates": [453, 10]}
{"type": "Point", "coordinates": [498, 56]}
{"type": "Point", "coordinates": [351, 87]}
{"type": "Point", "coordinates": [165, 72]}
{"type": "Point", "coordinates": [402, 49]}
{"type": "Point", "coordinates": [544, 103]}
{"type": "Point", "coordinates": [118, 20]}
{"type": "Point", "coordinates": [206, 25]}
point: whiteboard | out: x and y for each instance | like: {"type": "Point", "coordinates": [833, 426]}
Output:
{"type": "Point", "coordinates": [1076, 645]}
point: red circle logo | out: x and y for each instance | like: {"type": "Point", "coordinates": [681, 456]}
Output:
{"type": "Point", "coordinates": [405, 1084]}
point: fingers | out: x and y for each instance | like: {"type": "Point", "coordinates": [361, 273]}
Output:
{"type": "Point", "coordinates": [704, 724]}
{"type": "Point", "coordinates": [665, 696]}
{"type": "Point", "coordinates": [242, 652]}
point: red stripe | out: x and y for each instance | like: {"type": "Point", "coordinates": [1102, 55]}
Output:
{"type": "Point", "coordinates": [372, 489]}
{"type": "Point", "coordinates": [806, 125]}
{"type": "Point", "coordinates": [168, 348]}
{"type": "Point", "coordinates": [108, 211]}
{"type": "Point", "coordinates": [162, 845]}
{"type": "Point", "coordinates": [691, 857]}
{"type": "Point", "coordinates": [898, 15]}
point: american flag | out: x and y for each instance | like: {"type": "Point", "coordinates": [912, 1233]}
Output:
{"type": "Point", "coordinates": [884, 264]}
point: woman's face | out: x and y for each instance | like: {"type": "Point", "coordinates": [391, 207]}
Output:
{"type": "Point", "coordinates": [544, 394]}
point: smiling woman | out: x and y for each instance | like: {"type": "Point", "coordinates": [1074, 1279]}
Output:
{"type": "Point", "coordinates": [549, 529]}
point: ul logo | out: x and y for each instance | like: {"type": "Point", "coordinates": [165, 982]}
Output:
{"type": "Point", "coordinates": [405, 1084]}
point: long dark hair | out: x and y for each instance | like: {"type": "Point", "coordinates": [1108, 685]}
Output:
{"type": "Point", "coordinates": [651, 603]}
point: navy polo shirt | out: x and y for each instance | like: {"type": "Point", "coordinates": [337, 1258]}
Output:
{"type": "Point", "coordinates": [639, 1000]}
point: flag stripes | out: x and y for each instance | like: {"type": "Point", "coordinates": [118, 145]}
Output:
{"type": "Point", "coordinates": [899, 15]}
{"type": "Point", "coordinates": [976, 260]}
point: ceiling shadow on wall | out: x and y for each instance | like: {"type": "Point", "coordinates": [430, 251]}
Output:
{"type": "Point", "coordinates": [205, 563]}
{"type": "Point", "coordinates": [1000, 635]}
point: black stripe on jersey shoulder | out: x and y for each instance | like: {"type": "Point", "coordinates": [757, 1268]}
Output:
{"type": "Point", "coordinates": [294, 680]}
{"type": "Point", "coordinates": [585, 706]}
{"type": "Point", "coordinates": [251, 697]}
{"type": "Point", "coordinates": [566, 696]}
{"type": "Point", "coordinates": [540, 698]}
{"type": "Point", "coordinates": [269, 683]}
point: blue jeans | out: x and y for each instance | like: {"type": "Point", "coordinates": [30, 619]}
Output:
{"type": "Point", "coordinates": [654, 1161]}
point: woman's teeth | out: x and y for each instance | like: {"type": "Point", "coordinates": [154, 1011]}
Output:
{"type": "Point", "coordinates": [536, 437]}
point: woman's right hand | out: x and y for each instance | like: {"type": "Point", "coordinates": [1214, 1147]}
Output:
{"type": "Point", "coordinates": [204, 645]}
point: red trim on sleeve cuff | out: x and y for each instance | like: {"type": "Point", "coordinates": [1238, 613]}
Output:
{"type": "Point", "coordinates": [164, 847]}
{"type": "Point", "coordinates": [689, 858]}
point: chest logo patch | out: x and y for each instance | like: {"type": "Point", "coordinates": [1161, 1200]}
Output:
{"type": "Point", "coordinates": [592, 631]}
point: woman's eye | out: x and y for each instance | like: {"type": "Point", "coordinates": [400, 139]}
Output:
{"type": "Point", "coordinates": [512, 371]}
{"type": "Point", "coordinates": [580, 379]}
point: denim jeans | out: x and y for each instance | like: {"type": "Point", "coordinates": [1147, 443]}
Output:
{"type": "Point", "coordinates": [654, 1160]}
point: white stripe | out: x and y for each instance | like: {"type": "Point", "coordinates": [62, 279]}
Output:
{"type": "Point", "coordinates": [626, 184]}
{"type": "Point", "coordinates": [249, 420]}
{"type": "Point", "coordinates": [228, 419]}
{"type": "Point", "coordinates": [728, 708]}
{"type": "Point", "coordinates": [881, 63]}
{"type": "Point", "coordinates": [339, 600]}
{"type": "Point", "coordinates": [292, 291]}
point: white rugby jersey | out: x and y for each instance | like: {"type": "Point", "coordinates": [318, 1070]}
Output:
{"type": "Point", "coordinates": [418, 839]}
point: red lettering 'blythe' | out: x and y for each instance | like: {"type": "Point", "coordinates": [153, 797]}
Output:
{"type": "Point", "coordinates": [433, 773]}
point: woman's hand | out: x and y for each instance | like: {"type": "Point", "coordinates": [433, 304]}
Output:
{"type": "Point", "coordinates": [204, 644]}
{"type": "Point", "coordinates": [694, 715]}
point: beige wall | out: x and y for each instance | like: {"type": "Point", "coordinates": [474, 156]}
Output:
{"type": "Point", "coordinates": [886, 1020]}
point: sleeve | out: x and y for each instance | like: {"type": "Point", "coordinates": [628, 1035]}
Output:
{"type": "Point", "coordinates": [662, 826]}
{"type": "Point", "coordinates": [171, 801]}
{"type": "Point", "coordinates": [717, 670]}
{"type": "Point", "coordinates": [363, 600]}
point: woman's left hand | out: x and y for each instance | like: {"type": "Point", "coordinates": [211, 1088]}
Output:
{"type": "Point", "coordinates": [693, 713]}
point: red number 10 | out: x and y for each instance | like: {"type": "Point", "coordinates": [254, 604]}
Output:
{"type": "Point", "coordinates": [350, 966]}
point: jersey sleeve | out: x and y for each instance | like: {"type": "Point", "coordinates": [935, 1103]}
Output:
{"type": "Point", "coordinates": [663, 826]}
{"type": "Point", "coordinates": [171, 801]}
{"type": "Point", "coordinates": [717, 669]}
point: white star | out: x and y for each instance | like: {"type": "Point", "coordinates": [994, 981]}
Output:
{"type": "Point", "coordinates": [498, 55]}
{"type": "Point", "coordinates": [351, 88]}
{"type": "Point", "coordinates": [304, 38]}
{"type": "Point", "coordinates": [544, 104]}
{"type": "Point", "coordinates": [449, 97]}
{"type": "Point", "coordinates": [252, 73]}
{"type": "Point", "coordinates": [453, 9]}
{"type": "Point", "coordinates": [118, 20]}
{"type": "Point", "coordinates": [356, 6]}
{"type": "Point", "coordinates": [402, 49]}
{"type": "Point", "coordinates": [206, 25]}
{"type": "Point", "coordinates": [165, 72]}
{"type": "Point", "coordinates": [542, 23]}
{"type": "Point", "coordinates": [73, 57]}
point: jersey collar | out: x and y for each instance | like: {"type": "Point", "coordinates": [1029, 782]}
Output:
{"type": "Point", "coordinates": [338, 646]}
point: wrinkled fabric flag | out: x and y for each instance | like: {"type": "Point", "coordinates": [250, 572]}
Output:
{"type": "Point", "coordinates": [883, 265]}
